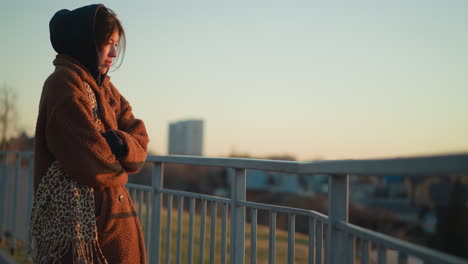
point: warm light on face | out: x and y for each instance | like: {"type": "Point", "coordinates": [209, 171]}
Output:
{"type": "Point", "coordinates": [108, 53]}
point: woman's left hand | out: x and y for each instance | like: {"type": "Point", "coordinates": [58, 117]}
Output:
{"type": "Point", "coordinates": [116, 144]}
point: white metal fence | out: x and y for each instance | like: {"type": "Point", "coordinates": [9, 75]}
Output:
{"type": "Point", "coordinates": [331, 238]}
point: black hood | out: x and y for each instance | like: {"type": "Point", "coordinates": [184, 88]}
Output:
{"type": "Point", "coordinates": [72, 33]}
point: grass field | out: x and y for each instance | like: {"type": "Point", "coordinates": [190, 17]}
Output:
{"type": "Point", "coordinates": [19, 253]}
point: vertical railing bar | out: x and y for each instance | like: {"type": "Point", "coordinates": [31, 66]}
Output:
{"type": "Point", "coordinates": [213, 232]}
{"type": "Point", "coordinates": [232, 245]}
{"type": "Point", "coordinates": [364, 248]}
{"type": "Point", "coordinates": [291, 237]}
{"type": "Point", "coordinates": [140, 201]}
{"type": "Point", "coordinates": [402, 258]}
{"type": "Point", "coordinates": [156, 208]}
{"type": "Point", "coordinates": [168, 228]}
{"type": "Point", "coordinates": [381, 255]}
{"type": "Point", "coordinates": [14, 206]}
{"type": "Point", "coordinates": [223, 234]}
{"type": "Point", "coordinates": [201, 252]}
{"type": "Point", "coordinates": [3, 199]}
{"type": "Point", "coordinates": [253, 236]}
{"type": "Point", "coordinates": [240, 215]}
{"type": "Point", "coordinates": [311, 240]}
{"type": "Point", "coordinates": [350, 246]}
{"type": "Point", "coordinates": [272, 240]}
{"type": "Point", "coordinates": [147, 221]}
{"type": "Point", "coordinates": [133, 195]}
{"type": "Point", "coordinates": [191, 224]}
{"type": "Point", "coordinates": [324, 244]}
{"type": "Point", "coordinates": [318, 243]}
{"type": "Point", "coordinates": [180, 219]}
{"type": "Point", "coordinates": [232, 237]}
{"type": "Point", "coordinates": [30, 183]}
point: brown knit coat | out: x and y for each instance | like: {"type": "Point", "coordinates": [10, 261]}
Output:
{"type": "Point", "coordinates": [66, 131]}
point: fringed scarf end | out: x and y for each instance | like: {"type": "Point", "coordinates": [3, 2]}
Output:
{"type": "Point", "coordinates": [50, 252]}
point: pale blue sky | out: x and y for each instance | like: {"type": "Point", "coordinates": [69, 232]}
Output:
{"type": "Point", "coordinates": [329, 79]}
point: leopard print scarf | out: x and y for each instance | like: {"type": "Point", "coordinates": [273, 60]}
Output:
{"type": "Point", "coordinates": [63, 217]}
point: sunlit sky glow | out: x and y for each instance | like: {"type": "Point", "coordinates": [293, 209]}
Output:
{"type": "Point", "coordinates": [328, 79]}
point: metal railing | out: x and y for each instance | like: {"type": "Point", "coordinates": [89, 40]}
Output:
{"type": "Point", "coordinates": [331, 239]}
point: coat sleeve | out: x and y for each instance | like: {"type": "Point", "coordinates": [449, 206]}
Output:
{"type": "Point", "coordinates": [133, 133]}
{"type": "Point", "coordinates": [77, 144]}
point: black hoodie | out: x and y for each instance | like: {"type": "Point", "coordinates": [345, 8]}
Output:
{"type": "Point", "coordinates": [72, 33]}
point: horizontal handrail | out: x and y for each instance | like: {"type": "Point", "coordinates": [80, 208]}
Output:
{"type": "Point", "coordinates": [236, 163]}
{"type": "Point", "coordinates": [198, 196]}
{"type": "Point", "coordinates": [276, 208]}
{"type": "Point", "coordinates": [140, 187]}
{"type": "Point", "coordinates": [423, 253]}
{"type": "Point", "coordinates": [284, 209]}
{"type": "Point", "coordinates": [437, 164]}
{"type": "Point", "coordinates": [440, 164]}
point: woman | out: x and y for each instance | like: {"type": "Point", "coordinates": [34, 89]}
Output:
{"type": "Point", "coordinates": [87, 142]}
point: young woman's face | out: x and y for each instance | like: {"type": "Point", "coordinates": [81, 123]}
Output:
{"type": "Point", "coordinates": [108, 53]}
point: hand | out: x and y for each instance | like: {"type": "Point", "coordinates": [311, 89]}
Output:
{"type": "Point", "coordinates": [116, 144]}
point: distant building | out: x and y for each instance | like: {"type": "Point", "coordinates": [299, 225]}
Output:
{"type": "Point", "coordinates": [186, 137]}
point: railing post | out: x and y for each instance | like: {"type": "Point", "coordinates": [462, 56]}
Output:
{"type": "Point", "coordinates": [338, 195]}
{"type": "Point", "coordinates": [156, 205]}
{"type": "Point", "coordinates": [238, 217]}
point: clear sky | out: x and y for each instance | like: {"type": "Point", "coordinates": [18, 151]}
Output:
{"type": "Point", "coordinates": [329, 79]}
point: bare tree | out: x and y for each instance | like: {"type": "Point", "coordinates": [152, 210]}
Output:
{"type": "Point", "coordinates": [8, 113]}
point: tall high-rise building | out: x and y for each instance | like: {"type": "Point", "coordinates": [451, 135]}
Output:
{"type": "Point", "coordinates": [186, 137]}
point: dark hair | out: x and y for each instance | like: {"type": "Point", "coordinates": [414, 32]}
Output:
{"type": "Point", "coordinates": [106, 22]}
